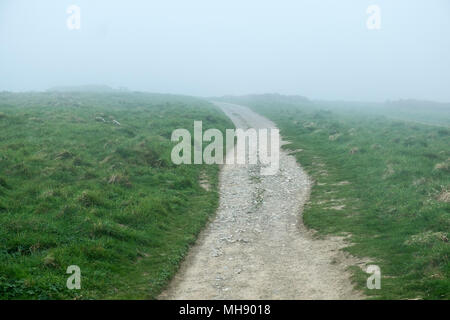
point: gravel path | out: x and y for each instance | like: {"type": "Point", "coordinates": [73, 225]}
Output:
{"type": "Point", "coordinates": [257, 247]}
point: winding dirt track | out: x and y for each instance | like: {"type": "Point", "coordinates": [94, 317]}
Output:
{"type": "Point", "coordinates": [257, 247]}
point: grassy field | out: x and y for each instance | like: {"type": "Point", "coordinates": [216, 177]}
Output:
{"type": "Point", "coordinates": [78, 189]}
{"type": "Point", "coordinates": [384, 182]}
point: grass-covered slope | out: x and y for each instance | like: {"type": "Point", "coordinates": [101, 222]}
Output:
{"type": "Point", "coordinates": [78, 189]}
{"type": "Point", "coordinates": [384, 182]}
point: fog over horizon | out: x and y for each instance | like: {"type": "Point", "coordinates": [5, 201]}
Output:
{"type": "Point", "coordinates": [322, 50]}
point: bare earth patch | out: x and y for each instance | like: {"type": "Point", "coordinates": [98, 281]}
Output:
{"type": "Point", "coordinates": [341, 183]}
{"type": "Point", "coordinates": [444, 196]}
{"type": "Point", "coordinates": [257, 246]}
{"type": "Point", "coordinates": [339, 208]}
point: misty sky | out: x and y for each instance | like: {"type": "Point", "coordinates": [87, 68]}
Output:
{"type": "Point", "coordinates": [318, 48]}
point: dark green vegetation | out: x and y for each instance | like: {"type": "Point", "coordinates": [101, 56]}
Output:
{"type": "Point", "coordinates": [382, 181]}
{"type": "Point", "coordinates": [78, 189]}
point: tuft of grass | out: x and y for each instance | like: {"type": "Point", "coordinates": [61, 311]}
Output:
{"type": "Point", "coordinates": [443, 166]}
{"type": "Point", "coordinates": [444, 196]}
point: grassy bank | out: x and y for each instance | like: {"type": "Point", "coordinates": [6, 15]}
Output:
{"type": "Point", "coordinates": [384, 182]}
{"type": "Point", "coordinates": [77, 188]}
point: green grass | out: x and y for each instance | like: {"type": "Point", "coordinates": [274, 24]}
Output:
{"type": "Point", "coordinates": [395, 174]}
{"type": "Point", "coordinates": [75, 190]}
